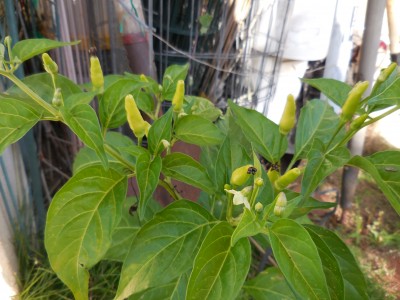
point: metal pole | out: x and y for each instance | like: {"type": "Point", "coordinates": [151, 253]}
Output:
{"type": "Point", "coordinates": [369, 51]}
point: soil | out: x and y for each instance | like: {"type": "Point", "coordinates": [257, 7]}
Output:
{"type": "Point", "coordinates": [371, 227]}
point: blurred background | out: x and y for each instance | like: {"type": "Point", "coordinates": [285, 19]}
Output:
{"type": "Point", "coordinates": [250, 51]}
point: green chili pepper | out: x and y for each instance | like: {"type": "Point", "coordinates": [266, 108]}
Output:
{"type": "Point", "coordinates": [385, 73]}
{"type": "Point", "coordinates": [287, 178]}
{"type": "Point", "coordinates": [273, 175]}
{"type": "Point", "coordinates": [177, 100]}
{"type": "Point", "coordinates": [288, 119]}
{"type": "Point", "coordinates": [353, 101]}
{"type": "Point", "coordinates": [49, 65]}
{"type": "Point", "coordinates": [241, 175]}
{"type": "Point", "coordinates": [357, 123]}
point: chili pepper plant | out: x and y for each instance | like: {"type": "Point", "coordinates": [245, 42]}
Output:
{"type": "Point", "coordinates": [196, 248]}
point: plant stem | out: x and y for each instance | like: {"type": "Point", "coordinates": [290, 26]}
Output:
{"type": "Point", "coordinates": [170, 189]}
{"type": "Point", "coordinates": [390, 111]}
{"type": "Point", "coordinates": [229, 208]}
{"type": "Point", "coordinates": [119, 157]}
{"type": "Point", "coordinates": [341, 124]}
{"type": "Point", "coordinates": [30, 93]}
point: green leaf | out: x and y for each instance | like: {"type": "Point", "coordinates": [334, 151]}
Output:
{"type": "Point", "coordinates": [202, 107]}
{"type": "Point", "coordinates": [219, 270]}
{"type": "Point", "coordinates": [112, 109]}
{"type": "Point", "coordinates": [320, 164]}
{"type": "Point", "coordinates": [317, 121]}
{"type": "Point", "coordinates": [298, 258]}
{"type": "Point", "coordinates": [42, 85]}
{"type": "Point", "coordinates": [387, 97]}
{"type": "Point", "coordinates": [147, 174]}
{"type": "Point", "coordinates": [86, 156]}
{"type": "Point", "coordinates": [80, 222]}
{"type": "Point", "coordinates": [79, 98]}
{"type": "Point", "coordinates": [198, 131]}
{"type": "Point", "coordinates": [249, 225]}
{"type": "Point", "coordinates": [17, 117]}
{"type": "Point", "coordinates": [124, 233]}
{"type": "Point", "coordinates": [333, 89]}
{"type": "Point", "coordinates": [184, 168]}
{"type": "Point", "coordinates": [164, 247]}
{"type": "Point", "coordinates": [27, 49]}
{"type": "Point", "coordinates": [161, 129]}
{"type": "Point", "coordinates": [174, 290]}
{"type": "Point", "coordinates": [261, 132]}
{"type": "Point", "coordinates": [384, 167]}
{"type": "Point", "coordinates": [171, 76]}
{"type": "Point", "coordinates": [354, 282]}
{"type": "Point", "coordinates": [269, 285]}
{"type": "Point", "coordinates": [82, 120]}
{"type": "Point", "coordinates": [330, 266]}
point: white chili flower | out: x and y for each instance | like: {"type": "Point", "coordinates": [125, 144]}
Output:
{"type": "Point", "coordinates": [241, 197]}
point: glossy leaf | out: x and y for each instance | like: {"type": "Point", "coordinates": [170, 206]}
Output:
{"type": "Point", "coordinates": [249, 225]}
{"type": "Point", "coordinates": [198, 131]}
{"type": "Point", "coordinates": [387, 97]}
{"type": "Point", "coordinates": [354, 282]}
{"type": "Point", "coordinates": [164, 246]}
{"type": "Point", "coordinates": [184, 168]}
{"type": "Point", "coordinates": [174, 290]}
{"type": "Point", "coordinates": [79, 98]}
{"type": "Point", "coordinates": [261, 132]}
{"type": "Point", "coordinates": [298, 258]}
{"type": "Point", "coordinates": [80, 222]}
{"type": "Point", "coordinates": [171, 76]}
{"type": "Point", "coordinates": [321, 164]}
{"type": "Point", "coordinates": [317, 121]}
{"type": "Point", "coordinates": [384, 167]}
{"type": "Point", "coordinates": [118, 142]}
{"type": "Point", "coordinates": [111, 109]}
{"type": "Point", "coordinates": [219, 270]}
{"type": "Point", "coordinates": [29, 48]}
{"type": "Point", "coordinates": [330, 266]}
{"type": "Point", "coordinates": [17, 117]}
{"type": "Point", "coordinates": [82, 120]}
{"type": "Point", "coordinates": [147, 175]}
{"type": "Point", "coordinates": [333, 89]}
{"type": "Point", "coordinates": [160, 130]}
{"type": "Point", "coordinates": [202, 107]}
{"type": "Point", "coordinates": [269, 285]}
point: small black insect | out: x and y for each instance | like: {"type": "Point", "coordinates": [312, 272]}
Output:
{"type": "Point", "coordinates": [251, 170]}
{"type": "Point", "coordinates": [133, 209]}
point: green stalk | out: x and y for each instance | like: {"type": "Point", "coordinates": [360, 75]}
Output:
{"type": "Point", "coordinates": [229, 208]}
{"type": "Point", "coordinates": [30, 93]}
{"type": "Point", "coordinates": [170, 189]}
{"type": "Point", "coordinates": [119, 157]}
{"type": "Point", "coordinates": [390, 111]}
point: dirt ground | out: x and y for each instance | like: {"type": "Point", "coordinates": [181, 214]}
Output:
{"type": "Point", "coordinates": [372, 228]}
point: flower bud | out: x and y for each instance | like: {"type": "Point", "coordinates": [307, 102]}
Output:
{"type": "Point", "coordinates": [280, 204]}
{"type": "Point", "coordinates": [353, 101]}
{"type": "Point", "coordinates": [258, 207]}
{"type": "Point", "coordinates": [287, 178]}
{"type": "Point", "coordinates": [57, 100]}
{"type": "Point", "coordinates": [8, 42]}
{"type": "Point", "coordinates": [288, 119]}
{"type": "Point", "coordinates": [165, 143]}
{"type": "Point", "coordinates": [177, 100]}
{"type": "Point", "coordinates": [49, 64]}
{"type": "Point", "coordinates": [143, 78]}
{"type": "Point", "coordinates": [259, 182]}
{"type": "Point", "coordinates": [240, 175]}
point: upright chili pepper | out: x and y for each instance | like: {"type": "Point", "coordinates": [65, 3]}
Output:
{"type": "Point", "coordinates": [353, 101]}
{"type": "Point", "coordinates": [96, 73]}
{"type": "Point", "coordinates": [357, 123]}
{"type": "Point", "coordinates": [287, 178]}
{"type": "Point", "coordinates": [177, 100]}
{"type": "Point", "coordinates": [288, 119]}
{"type": "Point", "coordinates": [240, 175]}
{"type": "Point", "coordinates": [139, 126]}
